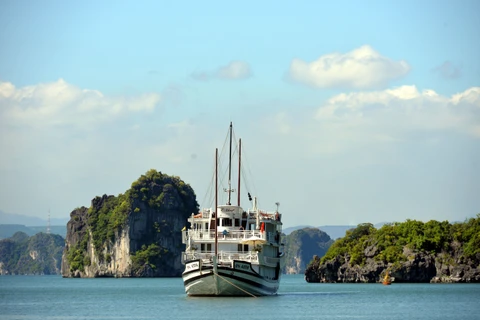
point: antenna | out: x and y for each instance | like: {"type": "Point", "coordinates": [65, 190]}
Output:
{"type": "Point", "coordinates": [48, 223]}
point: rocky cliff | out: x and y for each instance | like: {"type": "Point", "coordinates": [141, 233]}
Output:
{"type": "Point", "coordinates": [39, 254]}
{"type": "Point", "coordinates": [135, 234]}
{"type": "Point", "coordinates": [301, 245]}
{"type": "Point", "coordinates": [411, 252]}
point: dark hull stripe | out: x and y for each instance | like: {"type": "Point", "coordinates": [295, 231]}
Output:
{"type": "Point", "coordinates": [252, 273]}
{"type": "Point", "coordinates": [226, 273]}
{"type": "Point", "coordinates": [226, 269]}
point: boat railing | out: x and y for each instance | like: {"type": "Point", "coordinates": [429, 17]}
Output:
{"type": "Point", "coordinates": [276, 216]}
{"type": "Point", "coordinates": [235, 235]}
{"type": "Point", "coordinates": [224, 257]}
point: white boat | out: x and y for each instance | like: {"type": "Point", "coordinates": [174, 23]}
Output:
{"type": "Point", "coordinates": [231, 251]}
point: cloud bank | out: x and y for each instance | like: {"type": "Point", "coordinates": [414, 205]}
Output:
{"type": "Point", "coordinates": [362, 68]}
{"type": "Point", "coordinates": [350, 123]}
{"type": "Point", "coordinates": [235, 70]}
{"type": "Point", "coordinates": [61, 103]}
{"type": "Point", "coordinates": [404, 109]}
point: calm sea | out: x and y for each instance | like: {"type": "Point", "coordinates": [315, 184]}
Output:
{"type": "Point", "coordinates": [52, 297]}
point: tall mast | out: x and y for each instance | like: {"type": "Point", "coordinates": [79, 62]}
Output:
{"type": "Point", "coordinates": [230, 167]}
{"type": "Point", "coordinates": [239, 166]}
{"type": "Point", "coordinates": [216, 201]}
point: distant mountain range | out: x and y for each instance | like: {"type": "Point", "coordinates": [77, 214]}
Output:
{"type": "Point", "coordinates": [8, 230]}
{"type": "Point", "coordinates": [10, 218]}
{"type": "Point", "coordinates": [11, 223]}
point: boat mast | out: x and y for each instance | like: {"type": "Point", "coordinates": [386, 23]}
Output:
{"type": "Point", "coordinates": [239, 162]}
{"type": "Point", "coordinates": [216, 201]}
{"type": "Point", "coordinates": [230, 167]}
{"type": "Point", "coordinates": [215, 256]}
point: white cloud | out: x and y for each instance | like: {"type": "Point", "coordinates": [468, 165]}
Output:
{"type": "Point", "coordinates": [350, 122]}
{"type": "Point", "coordinates": [61, 103]}
{"type": "Point", "coordinates": [393, 111]}
{"type": "Point", "coordinates": [362, 68]}
{"type": "Point", "coordinates": [235, 70]}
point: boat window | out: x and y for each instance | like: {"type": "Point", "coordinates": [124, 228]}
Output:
{"type": "Point", "coordinates": [237, 222]}
{"type": "Point", "coordinates": [206, 247]}
{"type": "Point", "coordinates": [226, 222]}
{"type": "Point", "coordinates": [242, 247]}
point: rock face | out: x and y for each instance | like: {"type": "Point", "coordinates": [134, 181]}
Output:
{"type": "Point", "coordinates": [137, 234]}
{"type": "Point", "coordinates": [301, 245]}
{"type": "Point", "coordinates": [419, 267]}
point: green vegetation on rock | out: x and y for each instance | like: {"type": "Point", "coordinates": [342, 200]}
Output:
{"type": "Point", "coordinates": [390, 240]}
{"type": "Point", "coordinates": [106, 216]}
{"type": "Point", "coordinates": [161, 191]}
{"type": "Point", "coordinates": [354, 243]}
{"type": "Point", "coordinates": [77, 257]}
{"type": "Point", "coordinates": [413, 251]}
{"type": "Point", "coordinates": [147, 256]}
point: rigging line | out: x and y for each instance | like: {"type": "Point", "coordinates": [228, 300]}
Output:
{"type": "Point", "coordinates": [225, 142]}
{"type": "Point", "coordinates": [251, 294]}
{"type": "Point", "coordinates": [209, 192]}
{"type": "Point", "coordinates": [247, 174]}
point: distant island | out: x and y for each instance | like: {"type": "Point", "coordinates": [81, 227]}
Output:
{"type": "Point", "coordinates": [40, 254]}
{"type": "Point", "coordinates": [301, 245]}
{"type": "Point", "coordinates": [411, 251]}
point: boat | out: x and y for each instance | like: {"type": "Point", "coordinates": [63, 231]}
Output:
{"type": "Point", "coordinates": [231, 251]}
{"type": "Point", "coordinates": [387, 280]}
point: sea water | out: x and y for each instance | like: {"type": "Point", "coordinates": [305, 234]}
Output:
{"type": "Point", "coordinates": [53, 297]}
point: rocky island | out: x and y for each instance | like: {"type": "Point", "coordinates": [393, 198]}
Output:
{"type": "Point", "coordinates": [40, 254]}
{"type": "Point", "coordinates": [411, 251]}
{"type": "Point", "coordinates": [134, 234]}
{"type": "Point", "coordinates": [301, 245]}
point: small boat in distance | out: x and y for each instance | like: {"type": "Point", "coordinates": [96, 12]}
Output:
{"type": "Point", "coordinates": [231, 251]}
{"type": "Point", "coordinates": [387, 280]}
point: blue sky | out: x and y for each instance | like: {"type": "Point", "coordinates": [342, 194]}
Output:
{"type": "Point", "coordinates": [353, 111]}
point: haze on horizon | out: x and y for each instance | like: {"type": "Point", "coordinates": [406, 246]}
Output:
{"type": "Point", "coordinates": [349, 112]}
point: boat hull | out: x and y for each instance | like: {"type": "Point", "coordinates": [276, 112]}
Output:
{"type": "Point", "coordinates": [228, 281]}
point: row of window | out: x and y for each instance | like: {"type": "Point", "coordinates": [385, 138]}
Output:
{"type": "Point", "coordinates": [207, 247]}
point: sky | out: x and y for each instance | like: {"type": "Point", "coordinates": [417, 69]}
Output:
{"type": "Point", "coordinates": [349, 111]}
